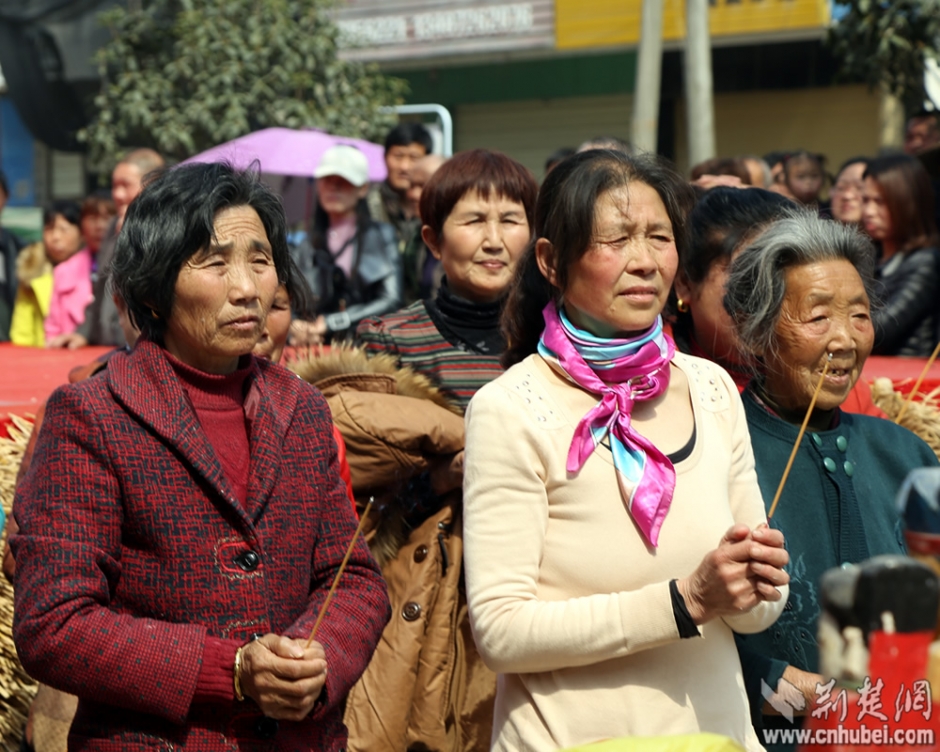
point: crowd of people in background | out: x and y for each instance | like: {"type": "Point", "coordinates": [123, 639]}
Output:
{"type": "Point", "coordinates": [525, 589]}
{"type": "Point", "coordinates": [363, 251]}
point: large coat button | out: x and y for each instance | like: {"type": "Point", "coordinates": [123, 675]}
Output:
{"type": "Point", "coordinates": [248, 561]}
{"type": "Point", "coordinates": [421, 553]}
{"type": "Point", "coordinates": [266, 728]}
{"type": "Point", "coordinates": [411, 611]}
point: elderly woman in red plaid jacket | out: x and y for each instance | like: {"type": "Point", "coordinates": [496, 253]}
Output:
{"type": "Point", "coordinates": [184, 516]}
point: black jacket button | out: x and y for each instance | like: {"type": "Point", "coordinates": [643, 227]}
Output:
{"type": "Point", "coordinates": [421, 553]}
{"type": "Point", "coordinates": [411, 611]}
{"type": "Point", "coordinates": [248, 561]}
{"type": "Point", "coordinates": [266, 728]}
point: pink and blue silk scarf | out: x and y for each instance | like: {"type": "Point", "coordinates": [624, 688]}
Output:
{"type": "Point", "coordinates": [621, 371]}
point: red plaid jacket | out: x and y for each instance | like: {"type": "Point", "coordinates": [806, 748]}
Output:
{"type": "Point", "coordinates": [132, 549]}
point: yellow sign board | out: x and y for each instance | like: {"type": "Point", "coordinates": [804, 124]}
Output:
{"type": "Point", "coordinates": [605, 23]}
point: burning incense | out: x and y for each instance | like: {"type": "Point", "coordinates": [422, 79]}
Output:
{"type": "Point", "coordinates": [799, 438]}
{"type": "Point", "coordinates": [339, 573]}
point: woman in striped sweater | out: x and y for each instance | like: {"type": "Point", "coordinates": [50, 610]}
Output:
{"type": "Point", "coordinates": [477, 216]}
{"type": "Point", "coordinates": [426, 685]}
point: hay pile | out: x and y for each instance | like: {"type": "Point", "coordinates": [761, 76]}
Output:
{"type": "Point", "coordinates": [922, 416]}
{"type": "Point", "coordinates": [16, 688]}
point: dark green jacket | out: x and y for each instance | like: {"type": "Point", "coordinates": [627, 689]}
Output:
{"type": "Point", "coordinates": [837, 507]}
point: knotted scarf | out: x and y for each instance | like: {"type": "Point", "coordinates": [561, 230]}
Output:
{"type": "Point", "coordinates": [621, 371]}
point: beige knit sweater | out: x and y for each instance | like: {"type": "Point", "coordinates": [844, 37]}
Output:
{"type": "Point", "coordinates": [567, 601]}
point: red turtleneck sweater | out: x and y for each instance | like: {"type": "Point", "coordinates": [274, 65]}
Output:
{"type": "Point", "coordinates": [219, 404]}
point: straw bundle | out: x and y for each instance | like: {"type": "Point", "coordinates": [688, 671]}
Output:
{"type": "Point", "coordinates": [16, 688]}
{"type": "Point", "coordinates": [922, 416]}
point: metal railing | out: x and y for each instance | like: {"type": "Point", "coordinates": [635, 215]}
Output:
{"type": "Point", "coordinates": [443, 115]}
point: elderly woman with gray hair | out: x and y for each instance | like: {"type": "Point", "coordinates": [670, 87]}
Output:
{"type": "Point", "coordinates": [800, 295]}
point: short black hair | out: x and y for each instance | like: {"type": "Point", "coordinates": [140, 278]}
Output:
{"type": "Point", "coordinates": [851, 161]}
{"type": "Point", "coordinates": [775, 157]}
{"type": "Point", "coordinates": [405, 134]}
{"type": "Point", "coordinates": [722, 219]}
{"type": "Point", "coordinates": [172, 219]}
{"type": "Point", "coordinates": [556, 156]}
{"type": "Point", "coordinates": [4, 186]}
{"type": "Point", "coordinates": [925, 114]}
{"type": "Point", "coordinates": [69, 210]}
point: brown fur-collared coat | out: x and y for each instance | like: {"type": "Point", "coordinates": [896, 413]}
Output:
{"type": "Point", "coordinates": [426, 687]}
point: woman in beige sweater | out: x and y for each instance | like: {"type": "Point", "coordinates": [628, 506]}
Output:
{"type": "Point", "coordinates": [615, 533]}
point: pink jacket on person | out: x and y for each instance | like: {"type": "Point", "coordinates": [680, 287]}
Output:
{"type": "Point", "coordinates": [71, 292]}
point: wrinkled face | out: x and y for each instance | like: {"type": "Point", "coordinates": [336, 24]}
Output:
{"type": "Point", "coordinates": [223, 294]}
{"type": "Point", "coordinates": [338, 196]}
{"type": "Point", "coordinates": [876, 217]}
{"type": "Point", "coordinates": [619, 286]}
{"type": "Point", "coordinates": [274, 337]}
{"type": "Point", "coordinates": [712, 326]}
{"type": "Point", "coordinates": [921, 135]}
{"type": "Point", "coordinates": [805, 179]}
{"type": "Point", "coordinates": [826, 310]}
{"type": "Point", "coordinates": [399, 160]}
{"type": "Point", "coordinates": [847, 194]}
{"type": "Point", "coordinates": [480, 243]}
{"type": "Point", "coordinates": [61, 238]}
{"type": "Point", "coordinates": [94, 226]}
{"type": "Point", "coordinates": [125, 186]}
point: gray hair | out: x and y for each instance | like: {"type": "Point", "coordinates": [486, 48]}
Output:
{"type": "Point", "coordinates": [757, 281]}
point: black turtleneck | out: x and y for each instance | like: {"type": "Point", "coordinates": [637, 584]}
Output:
{"type": "Point", "coordinates": [467, 325]}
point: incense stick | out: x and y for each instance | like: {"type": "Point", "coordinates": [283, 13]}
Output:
{"type": "Point", "coordinates": [339, 573]}
{"type": "Point", "coordinates": [920, 380]}
{"type": "Point", "coordinates": [799, 438]}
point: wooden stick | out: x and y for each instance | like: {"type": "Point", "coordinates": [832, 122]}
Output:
{"type": "Point", "coordinates": [339, 573]}
{"type": "Point", "coordinates": [920, 380]}
{"type": "Point", "coordinates": [799, 438]}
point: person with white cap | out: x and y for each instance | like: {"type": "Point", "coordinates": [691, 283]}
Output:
{"type": "Point", "coordinates": [351, 261]}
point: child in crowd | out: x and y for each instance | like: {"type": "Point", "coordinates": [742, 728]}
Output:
{"type": "Point", "coordinates": [804, 175]}
{"type": "Point", "coordinates": [54, 279]}
{"type": "Point", "coordinates": [97, 214]}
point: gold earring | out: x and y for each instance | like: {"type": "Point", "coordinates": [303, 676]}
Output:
{"type": "Point", "coordinates": [154, 313]}
{"type": "Point", "coordinates": [682, 306]}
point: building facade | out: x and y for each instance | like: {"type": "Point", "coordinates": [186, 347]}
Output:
{"type": "Point", "coordinates": [530, 77]}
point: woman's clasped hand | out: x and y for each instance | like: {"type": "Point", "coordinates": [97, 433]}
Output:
{"type": "Point", "coordinates": [745, 569]}
{"type": "Point", "coordinates": [282, 675]}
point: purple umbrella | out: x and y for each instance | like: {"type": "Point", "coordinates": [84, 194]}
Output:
{"type": "Point", "coordinates": [284, 151]}
{"type": "Point", "coordinates": [285, 155]}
